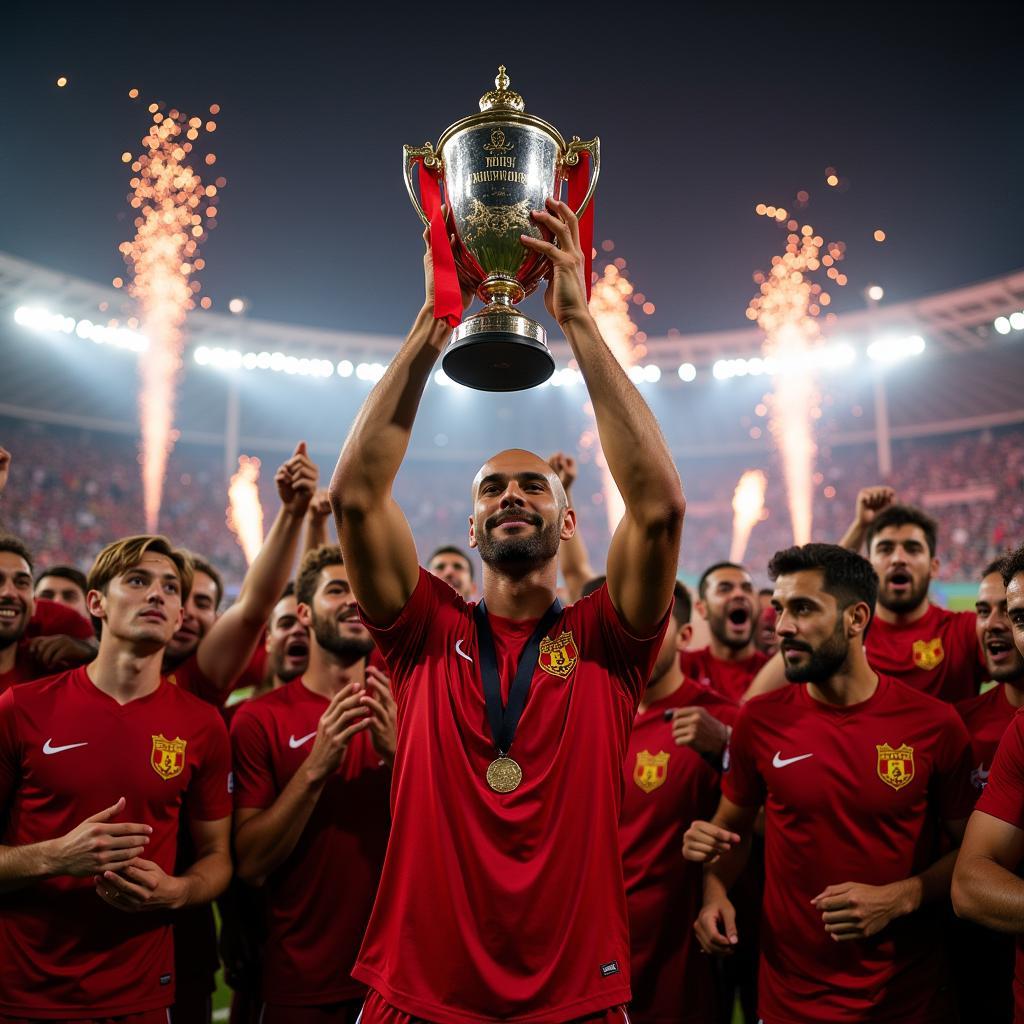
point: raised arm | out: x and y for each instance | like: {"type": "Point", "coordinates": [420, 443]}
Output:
{"type": "Point", "coordinates": [316, 521]}
{"type": "Point", "coordinates": [644, 552]}
{"type": "Point", "coordinates": [379, 550]}
{"type": "Point", "coordinates": [573, 557]}
{"type": "Point", "coordinates": [870, 501]}
{"type": "Point", "coordinates": [228, 646]}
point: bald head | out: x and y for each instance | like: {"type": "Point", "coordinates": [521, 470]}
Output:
{"type": "Point", "coordinates": [522, 466]}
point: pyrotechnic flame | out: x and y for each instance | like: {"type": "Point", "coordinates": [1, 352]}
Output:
{"type": "Point", "coordinates": [245, 512]}
{"type": "Point", "coordinates": [786, 310]}
{"type": "Point", "coordinates": [172, 203]}
{"type": "Point", "coordinates": [609, 306]}
{"type": "Point", "coordinates": [747, 506]}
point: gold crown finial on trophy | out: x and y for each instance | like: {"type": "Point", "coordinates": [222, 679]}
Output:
{"type": "Point", "coordinates": [502, 97]}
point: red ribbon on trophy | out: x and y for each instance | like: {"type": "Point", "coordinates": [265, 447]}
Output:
{"type": "Point", "coordinates": [579, 182]}
{"type": "Point", "coordinates": [447, 293]}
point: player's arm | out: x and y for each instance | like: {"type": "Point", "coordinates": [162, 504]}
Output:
{"type": "Point", "coordinates": [95, 845]}
{"type": "Point", "coordinates": [265, 838]}
{"type": "Point", "coordinates": [772, 676]}
{"type": "Point", "coordinates": [986, 888]}
{"type": "Point", "coordinates": [852, 910]}
{"type": "Point", "coordinates": [380, 553]}
{"type": "Point", "coordinates": [644, 552]}
{"type": "Point", "coordinates": [227, 647]}
{"type": "Point", "coordinates": [723, 846]}
{"type": "Point", "coordinates": [142, 885]}
{"type": "Point", "coordinates": [316, 521]}
{"type": "Point", "coordinates": [870, 501]}
{"type": "Point", "coordinates": [573, 557]}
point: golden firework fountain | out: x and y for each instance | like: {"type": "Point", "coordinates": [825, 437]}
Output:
{"type": "Point", "coordinates": [496, 166]}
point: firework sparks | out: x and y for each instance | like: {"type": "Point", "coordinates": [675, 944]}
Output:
{"type": "Point", "coordinates": [747, 506]}
{"type": "Point", "coordinates": [174, 212]}
{"type": "Point", "coordinates": [245, 512]}
{"type": "Point", "coordinates": [787, 310]}
{"type": "Point", "coordinates": [609, 305]}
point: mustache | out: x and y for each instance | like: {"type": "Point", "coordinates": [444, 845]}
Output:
{"type": "Point", "coordinates": [793, 646]}
{"type": "Point", "coordinates": [516, 514]}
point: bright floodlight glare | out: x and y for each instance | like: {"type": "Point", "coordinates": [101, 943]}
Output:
{"type": "Point", "coordinates": [876, 292]}
{"type": "Point", "coordinates": [892, 350]}
{"type": "Point", "coordinates": [722, 370]}
{"type": "Point", "coordinates": [652, 373]}
{"type": "Point", "coordinates": [237, 305]}
{"type": "Point", "coordinates": [201, 355]}
{"type": "Point", "coordinates": [345, 368]}
{"type": "Point", "coordinates": [1017, 321]}
{"type": "Point", "coordinates": [636, 374]}
{"type": "Point", "coordinates": [687, 372]}
{"type": "Point", "coordinates": [1001, 324]}
{"type": "Point", "coordinates": [441, 378]}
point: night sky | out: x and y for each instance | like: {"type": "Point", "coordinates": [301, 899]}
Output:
{"type": "Point", "coordinates": [702, 114]}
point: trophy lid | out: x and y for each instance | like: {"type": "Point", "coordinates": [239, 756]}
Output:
{"type": "Point", "coordinates": [502, 97]}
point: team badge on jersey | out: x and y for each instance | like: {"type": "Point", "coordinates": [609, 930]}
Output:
{"type": "Point", "coordinates": [168, 756]}
{"type": "Point", "coordinates": [558, 656]}
{"type": "Point", "coordinates": [650, 770]}
{"type": "Point", "coordinates": [895, 764]}
{"type": "Point", "coordinates": [928, 653]}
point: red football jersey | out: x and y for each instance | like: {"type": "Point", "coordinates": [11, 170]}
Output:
{"type": "Point", "coordinates": [1003, 798]}
{"type": "Point", "coordinates": [68, 750]}
{"type": "Point", "coordinates": [851, 794]}
{"type": "Point", "coordinates": [501, 907]}
{"type": "Point", "coordinates": [50, 618]}
{"type": "Point", "coordinates": [729, 678]}
{"type": "Point", "coordinates": [667, 787]}
{"type": "Point", "coordinates": [986, 717]}
{"type": "Point", "coordinates": [938, 655]}
{"type": "Point", "coordinates": [319, 900]}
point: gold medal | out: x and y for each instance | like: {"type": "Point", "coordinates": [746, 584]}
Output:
{"type": "Point", "coordinates": [504, 775]}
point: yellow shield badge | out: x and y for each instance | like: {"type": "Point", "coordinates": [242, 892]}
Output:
{"type": "Point", "coordinates": [650, 770]}
{"type": "Point", "coordinates": [558, 656]}
{"type": "Point", "coordinates": [895, 764]}
{"type": "Point", "coordinates": [928, 653]}
{"type": "Point", "coordinates": [168, 756]}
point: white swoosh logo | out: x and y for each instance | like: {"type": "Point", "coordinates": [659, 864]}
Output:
{"type": "Point", "coordinates": [460, 652]}
{"type": "Point", "coordinates": [49, 748]}
{"type": "Point", "coordinates": [780, 762]}
{"type": "Point", "coordinates": [295, 743]}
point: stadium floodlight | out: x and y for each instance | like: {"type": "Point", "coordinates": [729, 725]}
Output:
{"type": "Point", "coordinates": [237, 306]}
{"type": "Point", "coordinates": [652, 373]}
{"type": "Point", "coordinates": [687, 372]}
{"type": "Point", "coordinates": [38, 319]}
{"type": "Point", "coordinates": [892, 350]}
{"type": "Point", "coordinates": [722, 369]}
{"type": "Point", "coordinates": [1017, 321]}
{"type": "Point", "coordinates": [345, 368]}
{"type": "Point", "coordinates": [876, 293]}
{"type": "Point", "coordinates": [636, 373]}
{"type": "Point", "coordinates": [201, 355]}
{"type": "Point", "coordinates": [1002, 325]}
{"type": "Point", "coordinates": [441, 378]}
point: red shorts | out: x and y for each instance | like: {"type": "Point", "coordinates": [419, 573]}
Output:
{"type": "Point", "coordinates": [377, 1011]}
{"type": "Point", "coordinates": [161, 1016]}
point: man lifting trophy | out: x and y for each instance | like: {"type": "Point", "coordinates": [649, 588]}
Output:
{"type": "Point", "coordinates": [496, 167]}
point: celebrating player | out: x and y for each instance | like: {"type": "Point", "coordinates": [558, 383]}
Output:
{"type": "Point", "coordinates": [502, 895]}
{"type": "Point", "coordinates": [63, 584]}
{"type": "Point", "coordinates": [99, 767]}
{"type": "Point", "coordinates": [986, 886]}
{"type": "Point", "coordinates": [312, 774]}
{"type": "Point", "coordinates": [856, 773]}
{"type": "Point", "coordinates": [669, 783]}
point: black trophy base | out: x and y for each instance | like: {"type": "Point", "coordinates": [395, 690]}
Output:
{"type": "Point", "coordinates": [498, 350]}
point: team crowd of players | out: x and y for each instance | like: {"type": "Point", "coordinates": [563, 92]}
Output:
{"type": "Point", "coordinates": [453, 801]}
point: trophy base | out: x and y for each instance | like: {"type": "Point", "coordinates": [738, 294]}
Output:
{"type": "Point", "coordinates": [498, 350]}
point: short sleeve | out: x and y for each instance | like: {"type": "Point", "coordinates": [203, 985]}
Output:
{"type": "Point", "coordinates": [742, 783]}
{"type": "Point", "coordinates": [10, 760]}
{"type": "Point", "coordinates": [402, 642]}
{"type": "Point", "coordinates": [209, 793]}
{"type": "Point", "coordinates": [952, 791]}
{"type": "Point", "coordinates": [1003, 797]}
{"type": "Point", "coordinates": [250, 746]}
{"type": "Point", "coordinates": [630, 658]}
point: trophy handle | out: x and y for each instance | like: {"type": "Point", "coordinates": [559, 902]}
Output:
{"type": "Point", "coordinates": [430, 160]}
{"type": "Point", "coordinates": [572, 158]}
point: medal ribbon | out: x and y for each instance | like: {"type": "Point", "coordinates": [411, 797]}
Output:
{"type": "Point", "coordinates": [579, 182]}
{"type": "Point", "coordinates": [447, 294]}
{"type": "Point", "coordinates": [505, 720]}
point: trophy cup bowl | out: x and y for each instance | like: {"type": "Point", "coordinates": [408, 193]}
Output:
{"type": "Point", "coordinates": [496, 167]}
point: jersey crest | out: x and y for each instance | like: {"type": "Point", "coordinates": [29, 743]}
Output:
{"type": "Point", "coordinates": [895, 764]}
{"type": "Point", "coordinates": [650, 770]}
{"type": "Point", "coordinates": [558, 656]}
{"type": "Point", "coordinates": [168, 756]}
{"type": "Point", "coordinates": [928, 653]}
